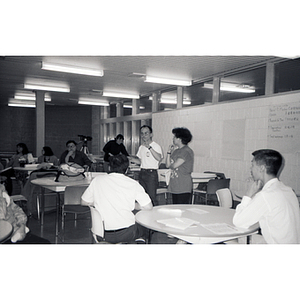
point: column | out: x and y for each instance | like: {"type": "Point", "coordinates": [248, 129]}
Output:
{"type": "Point", "coordinates": [40, 121]}
{"type": "Point", "coordinates": [155, 103]}
{"type": "Point", "coordinates": [270, 79]}
{"type": "Point", "coordinates": [179, 96]}
{"type": "Point", "coordinates": [216, 90]}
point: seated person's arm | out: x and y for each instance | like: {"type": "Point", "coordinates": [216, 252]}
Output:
{"type": "Point", "coordinates": [134, 159]}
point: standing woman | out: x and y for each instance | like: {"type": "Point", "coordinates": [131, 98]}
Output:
{"type": "Point", "coordinates": [180, 159]}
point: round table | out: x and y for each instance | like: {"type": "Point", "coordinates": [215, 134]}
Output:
{"type": "Point", "coordinates": [211, 223]}
{"type": "Point", "coordinates": [6, 231]}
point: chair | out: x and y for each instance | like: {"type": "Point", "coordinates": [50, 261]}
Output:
{"type": "Point", "coordinates": [162, 184]}
{"type": "Point", "coordinates": [97, 227]}
{"type": "Point", "coordinates": [224, 198]}
{"type": "Point", "coordinates": [72, 203]}
{"type": "Point", "coordinates": [212, 186]}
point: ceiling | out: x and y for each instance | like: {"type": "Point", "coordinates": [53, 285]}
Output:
{"type": "Point", "coordinates": [121, 73]}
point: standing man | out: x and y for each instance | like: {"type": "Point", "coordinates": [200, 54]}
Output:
{"type": "Point", "coordinates": [72, 155]}
{"type": "Point", "coordinates": [149, 156]}
{"type": "Point", "coordinates": [114, 147]}
{"type": "Point", "coordinates": [269, 202]}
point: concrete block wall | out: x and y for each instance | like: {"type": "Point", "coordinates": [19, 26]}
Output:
{"type": "Point", "coordinates": [206, 125]}
{"type": "Point", "coordinates": [62, 123]}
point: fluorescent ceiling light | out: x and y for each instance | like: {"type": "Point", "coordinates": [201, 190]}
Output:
{"type": "Point", "coordinates": [130, 106]}
{"type": "Point", "coordinates": [26, 95]}
{"type": "Point", "coordinates": [174, 101]}
{"type": "Point", "coordinates": [46, 85]}
{"type": "Point", "coordinates": [121, 95]}
{"type": "Point", "coordinates": [168, 81]}
{"type": "Point", "coordinates": [21, 103]}
{"type": "Point", "coordinates": [229, 87]}
{"type": "Point", "coordinates": [71, 69]}
{"type": "Point", "coordinates": [93, 101]}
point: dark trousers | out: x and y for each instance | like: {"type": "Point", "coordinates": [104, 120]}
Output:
{"type": "Point", "coordinates": [148, 179]}
{"type": "Point", "coordinates": [126, 235]}
{"type": "Point", "coordinates": [184, 198]}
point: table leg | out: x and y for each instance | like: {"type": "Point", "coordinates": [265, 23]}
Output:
{"type": "Point", "coordinates": [57, 214]}
{"type": "Point", "coordinates": [42, 205]}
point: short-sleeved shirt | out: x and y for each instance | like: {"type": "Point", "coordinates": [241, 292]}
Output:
{"type": "Point", "coordinates": [181, 178]}
{"type": "Point", "coordinates": [147, 159]}
{"type": "Point", "coordinates": [114, 197]}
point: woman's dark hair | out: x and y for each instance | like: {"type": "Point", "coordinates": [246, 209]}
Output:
{"type": "Point", "coordinates": [24, 148]}
{"type": "Point", "coordinates": [271, 159]}
{"type": "Point", "coordinates": [118, 163]}
{"type": "Point", "coordinates": [48, 151]}
{"type": "Point", "coordinates": [182, 133]}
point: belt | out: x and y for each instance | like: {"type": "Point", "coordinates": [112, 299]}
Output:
{"type": "Point", "coordinates": [115, 230]}
{"type": "Point", "coordinates": [149, 170]}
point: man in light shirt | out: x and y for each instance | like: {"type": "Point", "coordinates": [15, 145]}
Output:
{"type": "Point", "coordinates": [269, 202]}
{"type": "Point", "coordinates": [114, 196]}
{"type": "Point", "coordinates": [149, 156]}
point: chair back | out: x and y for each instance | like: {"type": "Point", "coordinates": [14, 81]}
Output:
{"type": "Point", "coordinates": [73, 194]}
{"type": "Point", "coordinates": [219, 175]}
{"type": "Point", "coordinates": [224, 197]}
{"type": "Point", "coordinates": [97, 223]}
{"type": "Point", "coordinates": [215, 184]}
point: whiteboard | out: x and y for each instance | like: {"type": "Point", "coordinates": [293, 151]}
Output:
{"type": "Point", "coordinates": [284, 127]}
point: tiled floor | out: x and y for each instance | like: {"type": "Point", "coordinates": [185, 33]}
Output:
{"type": "Point", "coordinates": [79, 232]}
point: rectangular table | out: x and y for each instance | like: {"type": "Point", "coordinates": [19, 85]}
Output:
{"type": "Point", "coordinates": [196, 224]}
{"type": "Point", "coordinates": [59, 187]}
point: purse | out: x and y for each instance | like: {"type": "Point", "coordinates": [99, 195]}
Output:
{"type": "Point", "coordinates": [70, 172]}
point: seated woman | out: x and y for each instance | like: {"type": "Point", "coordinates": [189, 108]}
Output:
{"type": "Point", "coordinates": [22, 156]}
{"type": "Point", "coordinates": [19, 159]}
{"type": "Point", "coordinates": [47, 157]}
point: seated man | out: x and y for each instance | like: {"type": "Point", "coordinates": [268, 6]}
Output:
{"type": "Point", "coordinates": [13, 214]}
{"type": "Point", "coordinates": [72, 155]}
{"type": "Point", "coordinates": [269, 202]}
{"type": "Point", "coordinates": [114, 196]}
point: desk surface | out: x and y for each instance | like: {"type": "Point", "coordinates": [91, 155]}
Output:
{"type": "Point", "coordinates": [212, 223]}
{"type": "Point", "coordinates": [6, 230]}
{"type": "Point", "coordinates": [49, 183]}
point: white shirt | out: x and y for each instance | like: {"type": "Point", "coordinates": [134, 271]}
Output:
{"type": "Point", "coordinates": [147, 159]}
{"type": "Point", "coordinates": [276, 208]}
{"type": "Point", "coordinates": [114, 197]}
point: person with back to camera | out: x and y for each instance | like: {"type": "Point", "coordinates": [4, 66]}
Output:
{"type": "Point", "coordinates": [269, 202]}
{"type": "Point", "coordinates": [114, 195]}
{"type": "Point", "coordinates": [149, 156]}
{"type": "Point", "coordinates": [113, 147]}
{"type": "Point", "coordinates": [72, 155]}
{"type": "Point", "coordinates": [180, 159]}
{"type": "Point", "coordinates": [47, 157]}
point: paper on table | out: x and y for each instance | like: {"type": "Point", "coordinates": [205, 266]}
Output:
{"type": "Point", "coordinates": [221, 228]}
{"type": "Point", "coordinates": [170, 211]}
{"type": "Point", "coordinates": [198, 211]}
{"type": "Point", "coordinates": [178, 223]}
